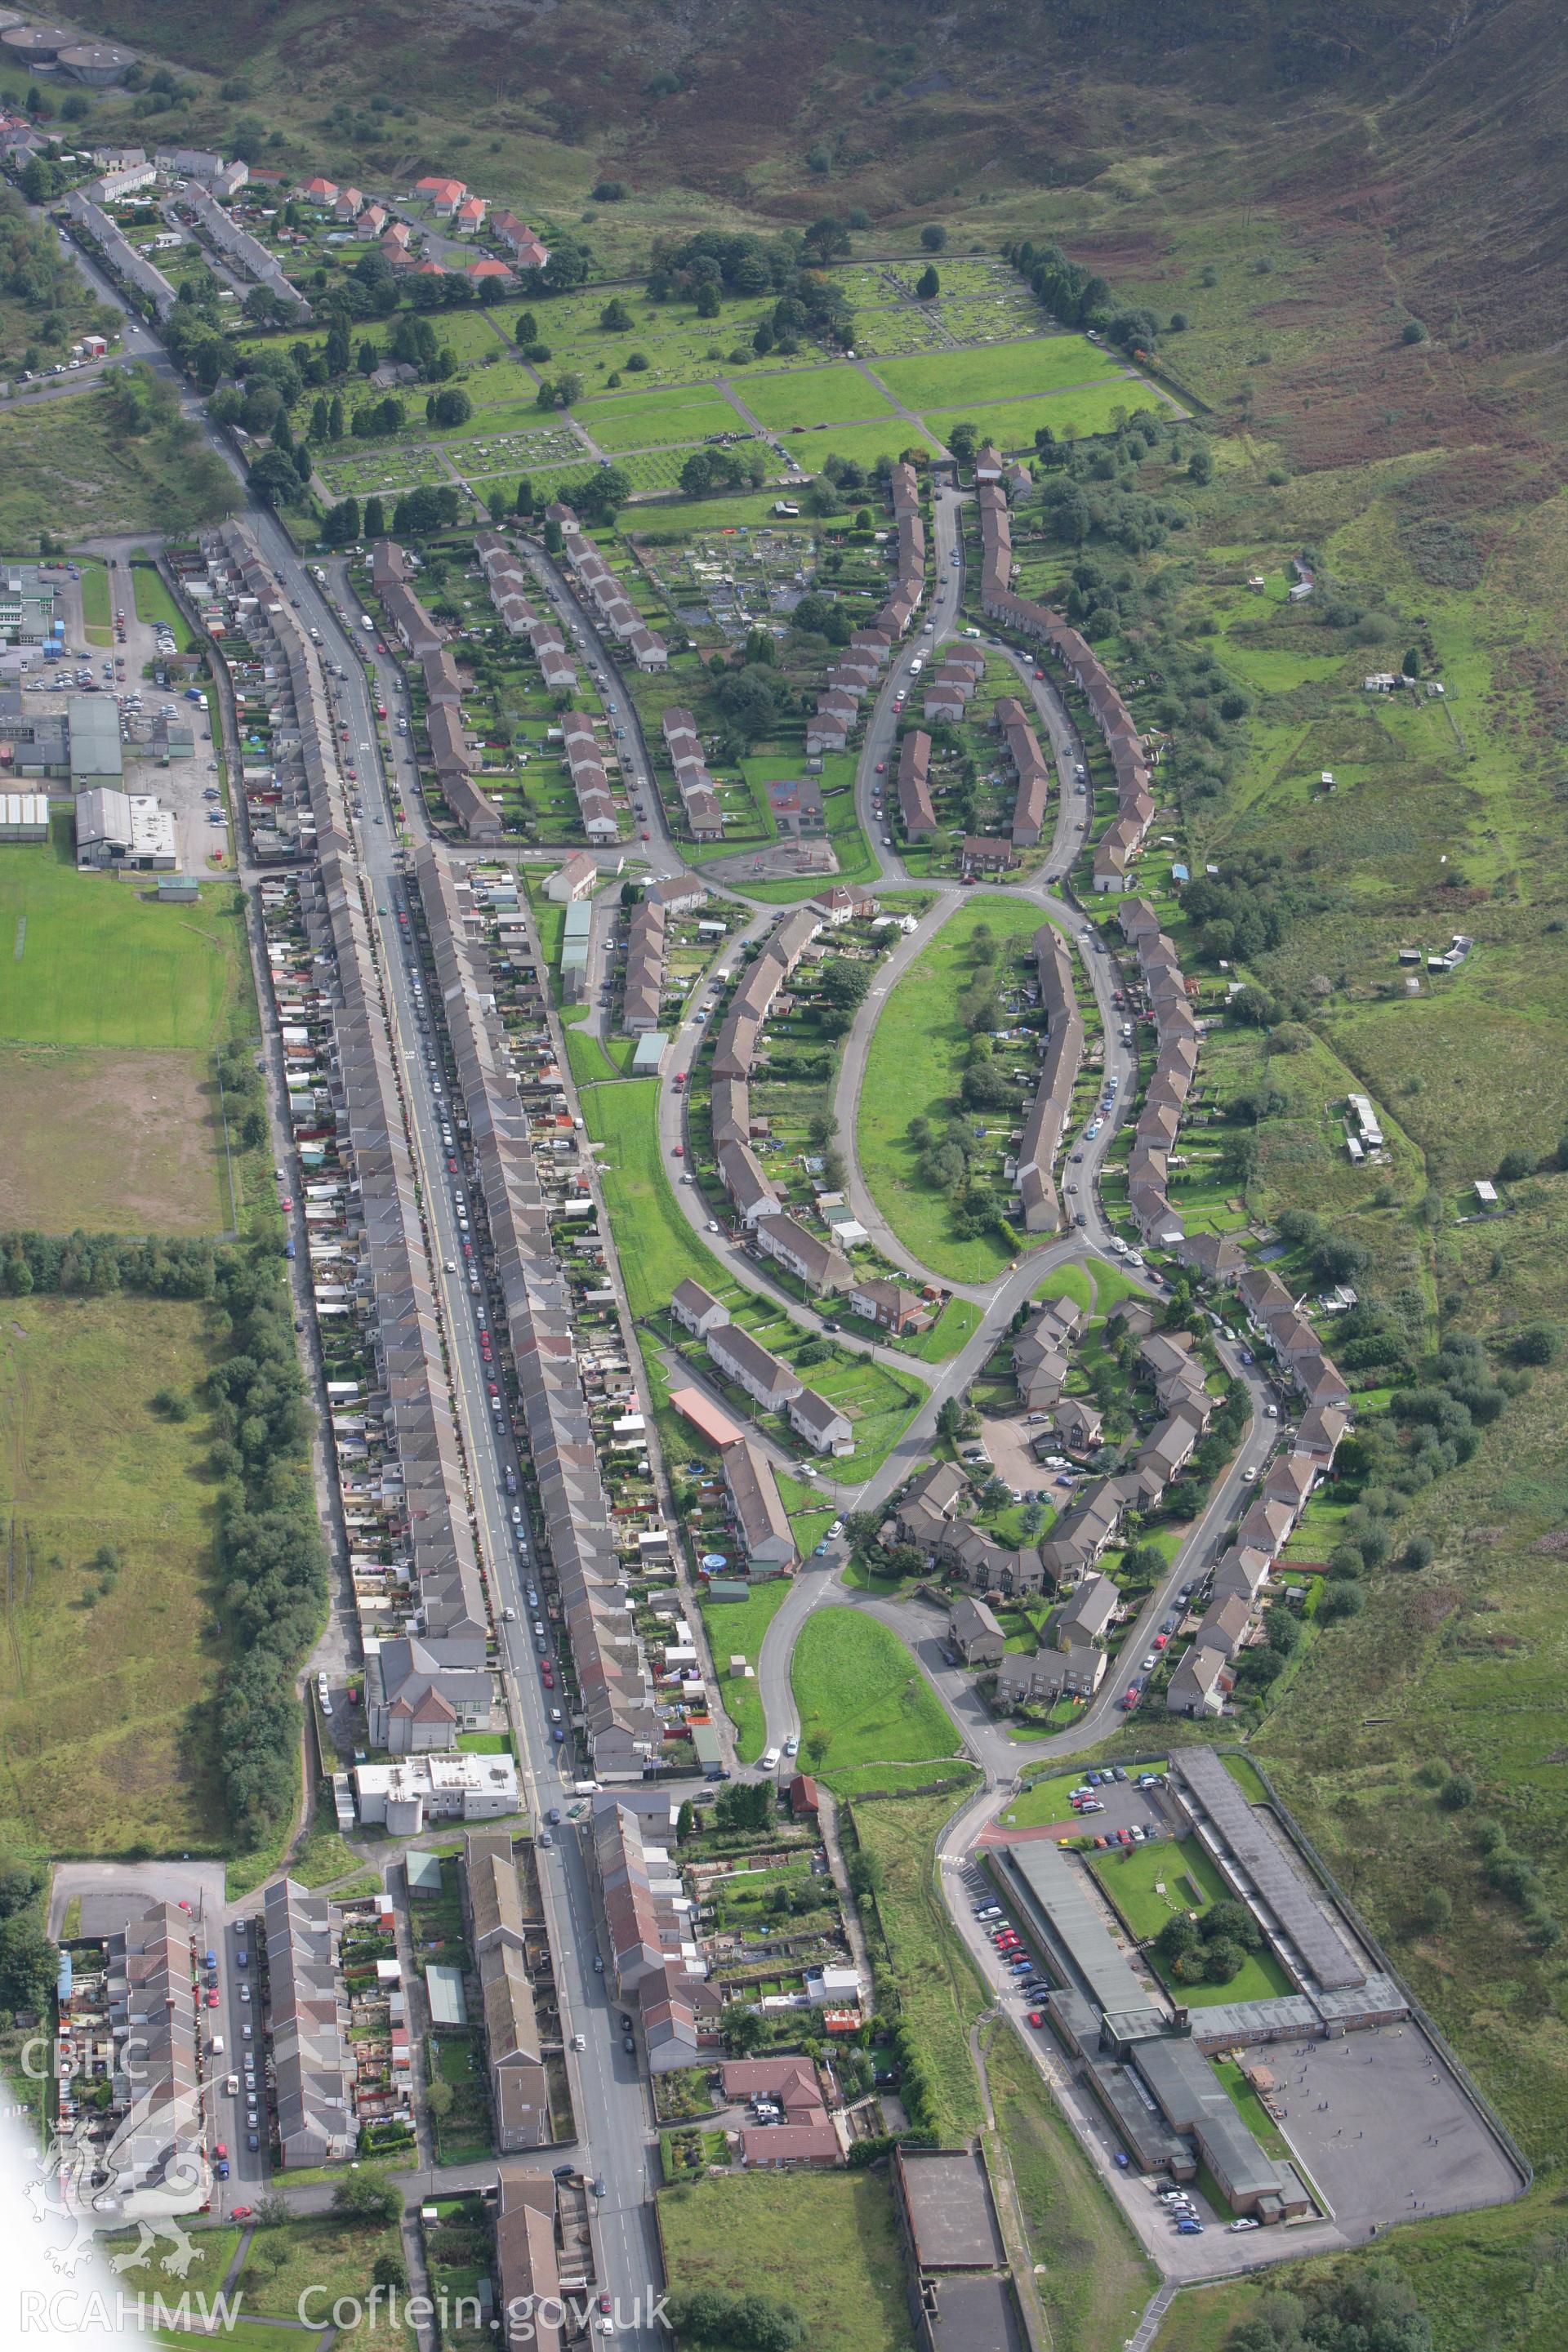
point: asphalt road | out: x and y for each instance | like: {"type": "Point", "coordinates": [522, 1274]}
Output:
{"type": "Point", "coordinates": [609, 2093]}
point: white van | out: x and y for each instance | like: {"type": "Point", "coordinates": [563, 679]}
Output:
{"type": "Point", "coordinates": [770, 1759]}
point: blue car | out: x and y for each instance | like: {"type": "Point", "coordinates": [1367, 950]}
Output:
{"type": "Point", "coordinates": [1189, 2229]}
{"type": "Point", "coordinates": [557, 1734]}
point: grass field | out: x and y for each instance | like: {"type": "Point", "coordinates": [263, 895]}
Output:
{"type": "Point", "coordinates": [639, 420]}
{"type": "Point", "coordinates": [861, 1695]}
{"type": "Point", "coordinates": [1092, 2277]}
{"type": "Point", "coordinates": [749, 2234]}
{"type": "Point", "coordinates": [1085, 409]}
{"type": "Point", "coordinates": [105, 1740]}
{"type": "Point", "coordinates": [913, 1067]}
{"type": "Point", "coordinates": [862, 443]}
{"type": "Point", "coordinates": [154, 602]}
{"type": "Point", "coordinates": [736, 1628]}
{"type": "Point", "coordinates": [1131, 1881]}
{"type": "Point", "coordinates": [828, 395]}
{"type": "Point", "coordinates": [64, 467]}
{"type": "Point", "coordinates": [63, 934]}
{"type": "Point", "coordinates": [333, 2258]}
{"type": "Point", "coordinates": [998, 371]}
{"type": "Point", "coordinates": [939, 1992]}
{"type": "Point", "coordinates": [1488, 2281]}
{"type": "Point", "coordinates": [656, 1246]}
{"type": "Point", "coordinates": [111, 1140]}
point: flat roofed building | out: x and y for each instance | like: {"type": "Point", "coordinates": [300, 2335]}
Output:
{"type": "Point", "coordinates": [946, 2203]}
{"type": "Point", "coordinates": [24, 816]}
{"type": "Point", "coordinates": [1252, 1854]}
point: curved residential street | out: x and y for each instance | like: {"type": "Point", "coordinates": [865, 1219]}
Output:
{"type": "Point", "coordinates": [610, 2094]}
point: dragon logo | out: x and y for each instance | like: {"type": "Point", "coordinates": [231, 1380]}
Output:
{"type": "Point", "coordinates": [156, 2153]}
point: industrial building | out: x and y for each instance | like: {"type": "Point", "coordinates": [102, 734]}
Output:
{"type": "Point", "coordinates": [26, 605]}
{"type": "Point", "coordinates": [24, 816]}
{"type": "Point", "coordinates": [99, 64]}
{"type": "Point", "coordinates": [114, 828]}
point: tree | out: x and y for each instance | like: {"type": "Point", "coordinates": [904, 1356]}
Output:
{"type": "Point", "coordinates": [742, 2028]}
{"type": "Point", "coordinates": [928, 286]}
{"type": "Point", "coordinates": [1537, 1344]}
{"type": "Point", "coordinates": [934, 236]}
{"type": "Point", "coordinates": [526, 330]}
{"type": "Point", "coordinates": [450, 407]}
{"type": "Point", "coordinates": [1200, 464]}
{"type": "Point", "coordinates": [28, 1963]}
{"type": "Point", "coordinates": [439, 2096]}
{"type": "Point", "coordinates": [1457, 1794]}
{"type": "Point", "coordinates": [387, 2270]}
{"type": "Point", "coordinates": [708, 301]}
{"type": "Point", "coordinates": [615, 317]}
{"type": "Point", "coordinates": [273, 480]}
{"type": "Point", "coordinates": [359, 2199]}
{"type": "Point", "coordinates": [374, 518]}
{"type": "Point", "coordinates": [964, 440]}
{"type": "Point", "coordinates": [685, 1823]}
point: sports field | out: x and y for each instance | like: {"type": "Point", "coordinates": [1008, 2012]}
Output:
{"type": "Point", "coordinates": [89, 959]}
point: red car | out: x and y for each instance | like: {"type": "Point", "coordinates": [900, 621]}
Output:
{"type": "Point", "coordinates": [453, 1166]}
{"type": "Point", "coordinates": [680, 1150]}
{"type": "Point", "coordinates": [381, 707]}
{"type": "Point", "coordinates": [645, 833]}
{"type": "Point", "coordinates": [220, 2149]}
{"type": "Point", "coordinates": [1037, 2017]}
{"type": "Point", "coordinates": [212, 2000]}
{"type": "Point", "coordinates": [241, 2212]}
{"type": "Point", "coordinates": [881, 767]}
{"type": "Point", "coordinates": [1161, 1640]}
{"type": "Point", "coordinates": [547, 1679]}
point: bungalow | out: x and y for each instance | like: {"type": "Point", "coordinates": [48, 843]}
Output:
{"type": "Point", "coordinates": [488, 270]}
{"type": "Point", "coordinates": [825, 1428]}
{"type": "Point", "coordinates": [816, 1262]}
{"type": "Point", "coordinates": [696, 1309]}
{"type": "Point", "coordinates": [576, 879]}
{"type": "Point", "coordinates": [972, 1631]}
{"type": "Point", "coordinates": [320, 191]}
{"type": "Point", "coordinates": [764, 1376]}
